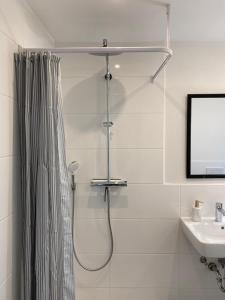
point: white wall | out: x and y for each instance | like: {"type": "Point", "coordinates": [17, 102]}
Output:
{"type": "Point", "coordinates": [18, 25]}
{"type": "Point", "coordinates": [195, 68]}
{"type": "Point", "coordinates": [152, 259]}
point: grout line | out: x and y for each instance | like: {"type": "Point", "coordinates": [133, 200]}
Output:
{"type": "Point", "coordinates": [129, 254]}
{"type": "Point", "coordinates": [44, 32]}
{"type": "Point", "coordinates": [114, 148]}
{"type": "Point", "coordinates": [6, 279]}
{"type": "Point", "coordinates": [161, 183]}
{"type": "Point", "coordinates": [87, 75]}
{"type": "Point", "coordinates": [8, 156]}
{"type": "Point", "coordinates": [103, 114]}
{"type": "Point", "coordinates": [198, 183]}
{"type": "Point", "coordinates": [134, 253]}
{"type": "Point", "coordinates": [153, 287]}
{"type": "Point", "coordinates": [8, 96]}
{"type": "Point", "coordinates": [180, 200]}
{"type": "Point", "coordinates": [137, 183]}
{"type": "Point", "coordinates": [8, 37]}
{"type": "Point", "coordinates": [175, 219]}
{"type": "Point", "coordinates": [6, 217]}
{"type": "Point", "coordinates": [135, 287]}
{"type": "Point", "coordinates": [164, 126]}
{"type": "Point", "coordinates": [129, 183]}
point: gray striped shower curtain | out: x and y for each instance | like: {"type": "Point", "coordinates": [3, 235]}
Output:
{"type": "Point", "coordinates": [47, 256]}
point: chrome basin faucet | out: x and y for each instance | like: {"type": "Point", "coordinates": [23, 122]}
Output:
{"type": "Point", "coordinates": [220, 212]}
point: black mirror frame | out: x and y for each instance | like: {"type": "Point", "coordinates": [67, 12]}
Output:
{"type": "Point", "coordinates": [188, 140]}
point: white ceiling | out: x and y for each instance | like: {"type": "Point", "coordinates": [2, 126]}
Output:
{"type": "Point", "coordinates": [81, 21]}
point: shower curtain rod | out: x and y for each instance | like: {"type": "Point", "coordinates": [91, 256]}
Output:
{"type": "Point", "coordinates": [104, 51]}
{"type": "Point", "coordinates": [108, 51]}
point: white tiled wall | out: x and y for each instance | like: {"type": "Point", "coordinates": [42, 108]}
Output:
{"type": "Point", "coordinates": [18, 26]}
{"type": "Point", "coordinates": [152, 258]}
{"type": "Point", "coordinates": [195, 68]}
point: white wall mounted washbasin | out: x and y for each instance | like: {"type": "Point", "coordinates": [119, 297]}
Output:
{"type": "Point", "coordinates": [207, 236]}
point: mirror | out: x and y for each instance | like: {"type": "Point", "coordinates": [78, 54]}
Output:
{"type": "Point", "coordinates": [205, 136]}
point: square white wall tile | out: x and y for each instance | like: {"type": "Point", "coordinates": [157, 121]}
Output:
{"type": "Point", "coordinates": [137, 131]}
{"type": "Point", "coordinates": [6, 186]}
{"type": "Point", "coordinates": [6, 126]}
{"type": "Point", "coordinates": [134, 165]}
{"type": "Point", "coordinates": [6, 289]}
{"type": "Point", "coordinates": [92, 293]}
{"type": "Point", "coordinates": [145, 201]}
{"type": "Point", "coordinates": [194, 275]}
{"type": "Point", "coordinates": [185, 246]}
{"type": "Point", "coordinates": [35, 34]}
{"type": "Point", "coordinates": [92, 279]}
{"type": "Point", "coordinates": [92, 163]}
{"type": "Point", "coordinates": [136, 95]}
{"type": "Point", "coordinates": [92, 236]}
{"type": "Point", "coordinates": [85, 131]}
{"type": "Point", "coordinates": [130, 236]}
{"type": "Point", "coordinates": [136, 65]}
{"type": "Point", "coordinates": [22, 25]}
{"type": "Point", "coordinates": [87, 94]}
{"type": "Point", "coordinates": [6, 242]}
{"type": "Point", "coordinates": [131, 85]}
{"type": "Point", "coordinates": [175, 137]}
{"type": "Point", "coordinates": [132, 65]}
{"type": "Point", "coordinates": [201, 294]}
{"type": "Point", "coordinates": [128, 131]}
{"type": "Point", "coordinates": [198, 73]}
{"type": "Point", "coordinates": [13, 22]}
{"type": "Point", "coordinates": [137, 201]}
{"type": "Point", "coordinates": [209, 194]}
{"type": "Point", "coordinates": [5, 27]}
{"type": "Point", "coordinates": [82, 64]}
{"type": "Point", "coordinates": [89, 202]}
{"type": "Point", "coordinates": [7, 65]}
{"type": "Point", "coordinates": [143, 294]}
{"type": "Point", "coordinates": [138, 165]}
{"type": "Point", "coordinates": [83, 94]}
{"type": "Point", "coordinates": [145, 236]}
{"type": "Point", "coordinates": [144, 271]}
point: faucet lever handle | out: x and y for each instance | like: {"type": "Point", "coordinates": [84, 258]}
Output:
{"type": "Point", "coordinates": [219, 205]}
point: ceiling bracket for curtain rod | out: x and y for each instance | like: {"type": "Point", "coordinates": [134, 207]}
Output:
{"type": "Point", "coordinates": [105, 50]}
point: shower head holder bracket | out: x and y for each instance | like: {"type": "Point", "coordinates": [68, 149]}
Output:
{"type": "Point", "coordinates": [107, 124]}
{"type": "Point", "coordinates": [108, 76]}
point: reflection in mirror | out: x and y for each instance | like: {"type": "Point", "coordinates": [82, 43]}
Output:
{"type": "Point", "coordinates": [206, 136]}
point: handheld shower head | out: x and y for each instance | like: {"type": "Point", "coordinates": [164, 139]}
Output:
{"type": "Point", "coordinates": [73, 166]}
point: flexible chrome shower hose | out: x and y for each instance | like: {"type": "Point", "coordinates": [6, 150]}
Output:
{"type": "Point", "coordinates": [107, 200]}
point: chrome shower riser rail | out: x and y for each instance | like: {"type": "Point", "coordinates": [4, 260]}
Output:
{"type": "Point", "coordinates": [108, 123]}
{"type": "Point", "coordinates": [108, 182]}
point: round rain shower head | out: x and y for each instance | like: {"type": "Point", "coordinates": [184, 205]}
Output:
{"type": "Point", "coordinates": [73, 166]}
